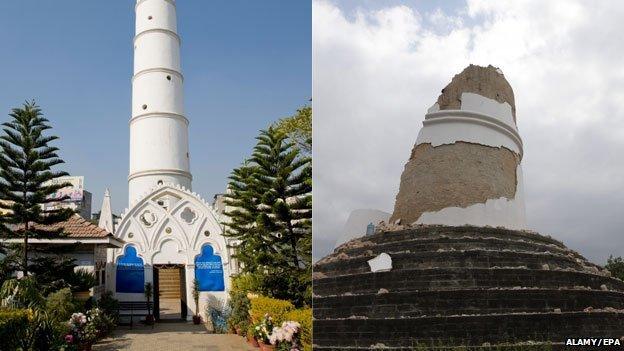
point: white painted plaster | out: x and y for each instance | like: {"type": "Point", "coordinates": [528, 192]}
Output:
{"type": "Point", "coordinates": [487, 106]}
{"type": "Point", "coordinates": [159, 129]}
{"type": "Point", "coordinates": [106, 214]}
{"type": "Point", "coordinates": [162, 13]}
{"type": "Point", "coordinates": [481, 121]}
{"type": "Point", "coordinates": [434, 108]}
{"type": "Point", "coordinates": [358, 220]}
{"type": "Point", "coordinates": [501, 212]}
{"type": "Point", "coordinates": [381, 263]}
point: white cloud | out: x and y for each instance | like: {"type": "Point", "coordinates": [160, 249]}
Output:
{"type": "Point", "coordinates": [376, 72]}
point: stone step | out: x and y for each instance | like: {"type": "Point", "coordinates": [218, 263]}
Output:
{"type": "Point", "coordinates": [477, 258]}
{"type": "Point", "coordinates": [500, 347]}
{"type": "Point", "coordinates": [465, 330]}
{"type": "Point", "coordinates": [169, 296]}
{"type": "Point", "coordinates": [459, 302]}
{"type": "Point", "coordinates": [459, 232]}
{"type": "Point", "coordinates": [446, 243]}
{"type": "Point", "coordinates": [169, 282]}
{"type": "Point", "coordinates": [459, 278]}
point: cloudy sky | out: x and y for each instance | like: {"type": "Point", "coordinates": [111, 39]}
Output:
{"type": "Point", "coordinates": [377, 67]}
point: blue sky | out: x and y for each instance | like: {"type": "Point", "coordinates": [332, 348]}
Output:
{"type": "Point", "coordinates": [246, 64]}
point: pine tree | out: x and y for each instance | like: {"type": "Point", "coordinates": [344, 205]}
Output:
{"type": "Point", "coordinates": [286, 205]}
{"type": "Point", "coordinates": [26, 165]}
{"type": "Point", "coordinates": [243, 196]}
{"type": "Point", "coordinates": [271, 217]}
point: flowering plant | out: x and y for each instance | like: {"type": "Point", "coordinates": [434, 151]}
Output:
{"type": "Point", "coordinates": [286, 336]}
{"type": "Point", "coordinates": [85, 329]}
{"type": "Point", "coordinates": [263, 329]}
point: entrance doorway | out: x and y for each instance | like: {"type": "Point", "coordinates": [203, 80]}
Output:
{"type": "Point", "coordinates": [169, 292]}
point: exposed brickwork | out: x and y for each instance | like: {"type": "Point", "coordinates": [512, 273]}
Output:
{"type": "Point", "coordinates": [462, 286]}
{"type": "Point", "coordinates": [457, 175]}
{"type": "Point", "coordinates": [485, 81]}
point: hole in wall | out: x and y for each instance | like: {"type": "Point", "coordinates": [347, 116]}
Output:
{"type": "Point", "coordinates": [159, 182]}
{"type": "Point", "coordinates": [168, 77]}
{"type": "Point", "coordinates": [144, 107]}
{"type": "Point", "coordinates": [149, 17]}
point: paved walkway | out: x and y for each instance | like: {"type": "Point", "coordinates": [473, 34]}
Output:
{"type": "Point", "coordinates": [170, 336]}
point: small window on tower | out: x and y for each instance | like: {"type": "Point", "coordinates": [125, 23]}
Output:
{"type": "Point", "coordinates": [144, 107]}
{"type": "Point", "coordinates": [149, 17]}
{"type": "Point", "coordinates": [168, 77]}
{"type": "Point", "coordinates": [159, 182]}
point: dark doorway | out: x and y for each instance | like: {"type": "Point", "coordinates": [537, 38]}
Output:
{"type": "Point", "coordinates": [169, 292]}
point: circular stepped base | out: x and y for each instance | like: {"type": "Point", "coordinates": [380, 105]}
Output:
{"type": "Point", "coordinates": [452, 286]}
{"type": "Point", "coordinates": [409, 304]}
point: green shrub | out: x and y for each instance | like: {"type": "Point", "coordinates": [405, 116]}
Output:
{"type": "Point", "coordinates": [304, 317]}
{"type": "Point", "coordinates": [275, 308]}
{"type": "Point", "coordinates": [13, 328]}
{"type": "Point", "coordinates": [81, 280]}
{"type": "Point", "coordinates": [100, 322]}
{"type": "Point", "coordinates": [247, 282]}
{"type": "Point", "coordinates": [60, 305]}
{"type": "Point", "coordinates": [109, 305]}
{"type": "Point", "coordinates": [22, 293]}
{"type": "Point", "coordinates": [240, 305]}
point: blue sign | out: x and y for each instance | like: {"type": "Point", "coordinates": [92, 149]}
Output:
{"type": "Point", "coordinates": [130, 273]}
{"type": "Point", "coordinates": [209, 270]}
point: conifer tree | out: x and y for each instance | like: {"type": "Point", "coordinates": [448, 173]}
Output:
{"type": "Point", "coordinates": [26, 162]}
{"type": "Point", "coordinates": [286, 205]}
{"type": "Point", "coordinates": [271, 219]}
{"type": "Point", "coordinates": [252, 249]}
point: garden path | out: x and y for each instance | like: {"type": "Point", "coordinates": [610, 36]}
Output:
{"type": "Point", "coordinates": [170, 336]}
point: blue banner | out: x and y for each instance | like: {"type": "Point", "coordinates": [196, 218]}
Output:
{"type": "Point", "coordinates": [209, 270]}
{"type": "Point", "coordinates": [130, 273]}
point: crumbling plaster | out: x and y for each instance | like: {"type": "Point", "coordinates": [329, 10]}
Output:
{"type": "Point", "coordinates": [465, 166]}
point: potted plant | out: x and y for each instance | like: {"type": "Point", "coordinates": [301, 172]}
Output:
{"type": "Point", "coordinates": [83, 330]}
{"type": "Point", "coordinates": [251, 339]}
{"type": "Point", "coordinates": [81, 282]}
{"type": "Point", "coordinates": [262, 332]}
{"type": "Point", "coordinates": [149, 293]}
{"type": "Point", "coordinates": [196, 316]}
{"type": "Point", "coordinates": [287, 336]}
{"type": "Point", "coordinates": [239, 319]}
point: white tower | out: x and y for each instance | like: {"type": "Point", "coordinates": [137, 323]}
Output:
{"type": "Point", "coordinates": [159, 150]}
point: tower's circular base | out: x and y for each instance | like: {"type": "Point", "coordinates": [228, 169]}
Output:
{"type": "Point", "coordinates": [462, 286]}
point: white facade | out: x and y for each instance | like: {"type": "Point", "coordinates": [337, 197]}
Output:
{"type": "Point", "coordinates": [170, 226]}
{"type": "Point", "coordinates": [165, 222]}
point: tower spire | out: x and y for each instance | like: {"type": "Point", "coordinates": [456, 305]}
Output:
{"type": "Point", "coordinates": [159, 150]}
{"type": "Point", "coordinates": [106, 214]}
